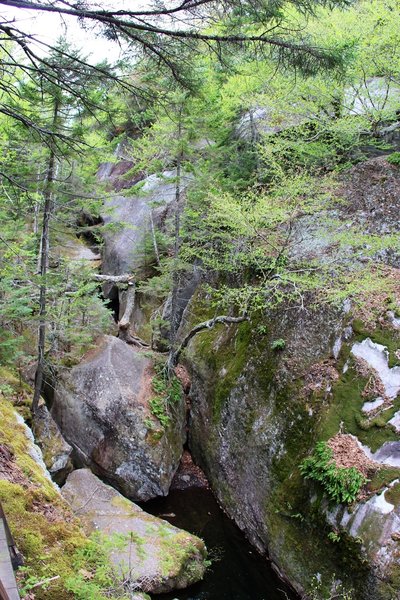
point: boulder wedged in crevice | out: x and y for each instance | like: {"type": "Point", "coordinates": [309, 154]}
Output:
{"type": "Point", "coordinates": [102, 407]}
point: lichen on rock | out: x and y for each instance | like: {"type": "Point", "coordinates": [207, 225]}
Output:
{"type": "Point", "coordinates": [149, 554]}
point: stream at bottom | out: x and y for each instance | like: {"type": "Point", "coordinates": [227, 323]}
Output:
{"type": "Point", "coordinates": [237, 572]}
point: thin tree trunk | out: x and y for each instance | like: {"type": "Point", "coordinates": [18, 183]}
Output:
{"type": "Point", "coordinates": [153, 235]}
{"type": "Point", "coordinates": [37, 208]}
{"type": "Point", "coordinates": [43, 265]}
{"type": "Point", "coordinates": [175, 272]}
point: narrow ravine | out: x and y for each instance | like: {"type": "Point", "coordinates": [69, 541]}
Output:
{"type": "Point", "coordinates": [237, 571]}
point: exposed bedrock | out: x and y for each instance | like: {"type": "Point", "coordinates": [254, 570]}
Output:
{"type": "Point", "coordinates": [133, 217]}
{"type": "Point", "coordinates": [258, 409]}
{"type": "Point", "coordinates": [102, 408]}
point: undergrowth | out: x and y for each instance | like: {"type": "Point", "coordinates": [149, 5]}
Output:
{"type": "Point", "coordinates": [341, 484]}
{"type": "Point", "coordinates": [168, 393]}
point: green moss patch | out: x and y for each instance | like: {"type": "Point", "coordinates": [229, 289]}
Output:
{"type": "Point", "coordinates": [224, 353]}
{"type": "Point", "coordinates": [53, 545]}
{"type": "Point", "coordinates": [382, 478]}
{"type": "Point", "coordinates": [392, 495]}
{"type": "Point", "coordinates": [345, 409]}
{"type": "Point", "coordinates": [183, 554]}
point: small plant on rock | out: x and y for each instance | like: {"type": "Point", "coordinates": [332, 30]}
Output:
{"type": "Point", "coordinates": [394, 159]}
{"type": "Point", "coordinates": [341, 484]}
{"type": "Point", "coordinates": [168, 393]}
{"type": "Point", "coordinates": [335, 590]}
{"type": "Point", "coordinates": [279, 344]}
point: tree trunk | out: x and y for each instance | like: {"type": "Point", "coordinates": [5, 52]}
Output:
{"type": "Point", "coordinates": [43, 264]}
{"type": "Point", "coordinates": [153, 235]}
{"type": "Point", "coordinates": [125, 321]}
{"type": "Point", "coordinates": [175, 272]}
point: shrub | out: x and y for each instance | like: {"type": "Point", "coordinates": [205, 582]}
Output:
{"type": "Point", "coordinates": [394, 159]}
{"type": "Point", "coordinates": [278, 344]}
{"type": "Point", "coordinates": [341, 484]}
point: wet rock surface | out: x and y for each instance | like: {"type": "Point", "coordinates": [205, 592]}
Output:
{"type": "Point", "coordinates": [102, 409]}
{"type": "Point", "coordinates": [150, 555]}
{"type": "Point", "coordinates": [57, 453]}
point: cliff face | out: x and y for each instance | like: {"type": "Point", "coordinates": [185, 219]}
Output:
{"type": "Point", "coordinates": [258, 411]}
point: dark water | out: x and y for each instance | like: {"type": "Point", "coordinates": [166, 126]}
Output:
{"type": "Point", "coordinates": [238, 572]}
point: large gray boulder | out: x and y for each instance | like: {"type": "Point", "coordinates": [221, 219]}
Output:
{"type": "Point", "coordinates": [102, 408]}
{"type": "Point", "coordinates": [131, 219]}
{"type": "Point", "coordinates": [150, 555]}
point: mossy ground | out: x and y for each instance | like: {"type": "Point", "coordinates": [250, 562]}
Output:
{"type": "Point", "coordinates": [45, 531]}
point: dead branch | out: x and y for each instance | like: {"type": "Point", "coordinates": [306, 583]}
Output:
{"type": "Point", "coordinates": [201, 327]}
{"type": "Point", "coordinates": [130, 305]}
{"type": "Point", "coordinates": [129, 279]}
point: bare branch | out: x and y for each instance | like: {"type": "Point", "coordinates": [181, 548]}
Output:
{"type": "Point", "coordinates": [225, 320]}
{"type": "Point", "coordinates": [130, 279]}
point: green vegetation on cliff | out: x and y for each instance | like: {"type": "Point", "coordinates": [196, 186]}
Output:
{"type": "Point", "coordinates": [341, 484]}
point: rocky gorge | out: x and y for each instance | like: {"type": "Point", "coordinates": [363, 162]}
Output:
{"type": "Point", "coordinates": [257, 411]}
{"type": "Point", "coordinates": [219, 412]}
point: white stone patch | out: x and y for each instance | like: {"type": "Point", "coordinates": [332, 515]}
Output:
{"type": "Point", "coordinates": [34, 451]}
{"type": "Point", "coordinates": [346, 367]}
{"type": "Point", "coordinates": [347, 307]}
{"type": "Point", "coordinates": [377, 505]}
{"type": "Point", "coordinates": [337, 346]}
{"type": "Point", "coordinates": [395, 321]}
{"type": "Point", "coordinates": [381, 504]}
{"type": "Point", "coordinates": [152, 181]}
{"type": "Point", "coordinates": [377, 357]}
{"type": "Point", "coordinates": [395, 421]}
{"type": "Point", "coordinates": [387, 454]}
{"type": "Point", "coordinates": [393, 483]}
{"type": "Point", "coordinates": [346, 518]}
{"type": "Point", "coordinates": [370, 406]}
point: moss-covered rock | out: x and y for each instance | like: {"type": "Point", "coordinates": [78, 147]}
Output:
{"type": "Point", "coordinates": [257, 412]}
{"type": "Point", "coordinates": [41, 523]}
{"type": "Point", "coordinates": [148, 553]}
